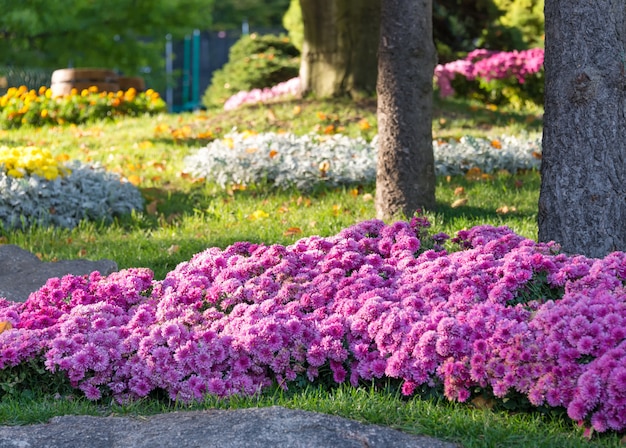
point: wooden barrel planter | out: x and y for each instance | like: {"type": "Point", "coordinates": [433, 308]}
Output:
{"type": "Point", "coordinates": [64, 80]}
{"type": "Point", "coordinates": [136, 82]}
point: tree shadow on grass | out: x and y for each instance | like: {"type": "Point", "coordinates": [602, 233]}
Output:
{"type": "Point", "coordinates": [449, 213]}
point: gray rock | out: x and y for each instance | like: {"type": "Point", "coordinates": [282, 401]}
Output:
{"type": "Point", "coordinates": [250, 428]}
{"type": "Point", "coordinates": [22, 273]}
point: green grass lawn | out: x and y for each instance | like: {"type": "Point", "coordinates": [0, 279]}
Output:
{"type": "Point", "coordinates": [184, 216]}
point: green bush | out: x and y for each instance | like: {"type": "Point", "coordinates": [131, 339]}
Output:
{"type": "Point", "coordinates": [526, 18]}
{"type": "Point", "coordinates": [518, 25]}
{"type": "Point", "coordinates": [503, 92]}
{"type": "Point", "coordinates": [255, 62]}
{"type": "Point", "coordinates": [292, 21]}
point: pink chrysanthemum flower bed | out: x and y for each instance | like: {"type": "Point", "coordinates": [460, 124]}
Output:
{"type": "Point", "coordinates": [503, 313]}
{"type": "Point", "coordinates": [287, 88]}
{"type": "Point", "coordinates": [489, 65]}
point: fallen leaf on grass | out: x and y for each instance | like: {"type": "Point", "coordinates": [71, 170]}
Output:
{"type": "Point", "coordinates": [292, 231]}
{"type": "Point", "coordinates": [258, 214]}
{"type": "Point", "coordinates": [189, 177]}
{"type": "Point", "coordinates": [161, 129]}
{"type": "Point", "coordinates": [505, 209]}
{"type": "Point", "coordinates": [159, 166]}
{"type": "Point", "coordinates": [303, 201]}
{"type": "Point", "coordinates": [151, 208]}
{"type": "Point", "coordinates": [473, 173]}
{"type": "Point", "coordinates": [146, 144]}
{"type": "Point", "coordinates": [134, 179]}
{"type": "Point", "coordinates": [364, 125]}
{"type": "Point", "coordinates": [459, 191]}
{"type": "Point", "coordinates": [459, 203]}
{"type": "Point", "coordinates": [208, 135]}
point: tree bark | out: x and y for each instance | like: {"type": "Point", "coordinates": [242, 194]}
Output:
{"type": "Point", "coordinates": [405, 179]}
{"type": "Point", "coordinates": [582, 204]}
{"type": "Point", "coordinates": [339, 49]}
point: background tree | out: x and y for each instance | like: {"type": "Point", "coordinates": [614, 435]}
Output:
{"type": "Point", "coordinates": [258, 13]}
{"type": "Point", "coordinates": [122, 34]}
{"type": "Point", "coordinates": [405, 179]}
{"type": "Point", "coordinates": [339, 49]}
{"type": "Point", "coordinates": [582, 204]}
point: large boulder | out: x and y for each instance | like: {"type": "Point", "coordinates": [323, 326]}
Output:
{"type": "Point", "coordinates": [255, 427]}
{"type": "Point", "coordinates": [22, 273]}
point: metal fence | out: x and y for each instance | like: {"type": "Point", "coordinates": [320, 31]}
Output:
{"type": "Point", "coordinates": [33, 78]}
{"type": "Point", "coordinates": [190, 64]}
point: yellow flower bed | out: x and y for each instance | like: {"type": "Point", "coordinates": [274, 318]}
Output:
{"type": "Point", "coordinates": [31, 160]}
{"type": "Point", "coordinates": [21, 106]}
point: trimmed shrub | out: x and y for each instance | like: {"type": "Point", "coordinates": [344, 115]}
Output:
{"type": "Point", "coordinates": [499, 77]}
{"type": "Point", "coordinates": [254, 62]}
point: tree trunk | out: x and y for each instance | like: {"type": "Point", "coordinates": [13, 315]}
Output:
{"type": "Point", "coordinates": [582, 204]}
{"type": "Point", "coordinates": [405, 179]}
{"type": "Point", "coordinates": [339, 50]}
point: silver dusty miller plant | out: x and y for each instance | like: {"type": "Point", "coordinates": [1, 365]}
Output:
{"type": "Point", "coordinates": [286, 160]}
{"type": "Point", "coordinates": [89, 192]}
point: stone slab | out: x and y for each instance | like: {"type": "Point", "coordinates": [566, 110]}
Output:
{"type": "Point", "coordinates": [22, 273]}
{"type": "Point", "coordinates": [275, 427]}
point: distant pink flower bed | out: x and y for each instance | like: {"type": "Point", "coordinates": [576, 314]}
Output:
{"type": "Point", "coordinates": [489, 65]}
{"type": "Point", "coordinates": [370, 302]}
{"type": "Point", "coordinates": [254, 96]}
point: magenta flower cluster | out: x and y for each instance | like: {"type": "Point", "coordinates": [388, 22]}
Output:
{"type": "Point", "coordinates": [254, 96]}
{"type": "Point", "coordinates": [370, 302]}
{"type": "Point", "coordinates": [489, 65]}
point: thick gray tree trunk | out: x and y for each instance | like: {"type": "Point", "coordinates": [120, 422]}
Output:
{"type": "Point", "coordinates": [582, 204]}
{"type": "Point", "coordinates": [339, 49]}
{"type": "Point", "coordinates": [405, 179]}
